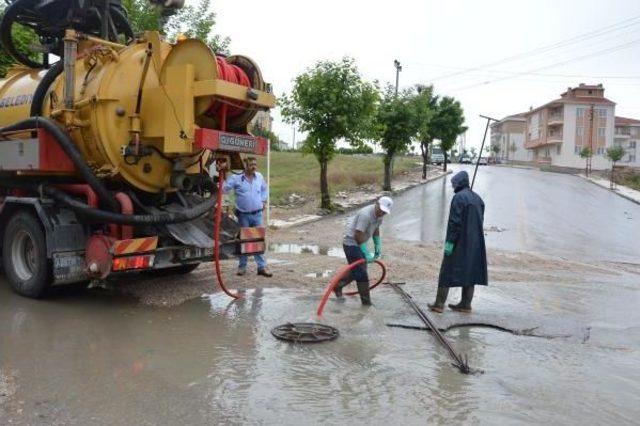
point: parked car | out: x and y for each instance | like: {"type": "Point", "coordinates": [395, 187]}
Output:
{"type": "Point", "coordinates": [483, 161]}
{"type": "Point", "coordinates": [464, 159]}
{"type": "Point", "coordinates": [437, 158]}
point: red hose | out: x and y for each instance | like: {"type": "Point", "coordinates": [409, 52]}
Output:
{"type": "Point", "coordinates": [340, 274]}
{"type": "Point", "coordinates": [216, 237]}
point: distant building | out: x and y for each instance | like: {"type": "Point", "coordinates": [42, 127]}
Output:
{"type": "Point", "coordinates": [581, 118]}
{"type": "Point", "coordinates": [509, 135]}
{"type": "Point", "coordinates": [263, 120]}
{"type": "Point", "coordinates": [627, 135]}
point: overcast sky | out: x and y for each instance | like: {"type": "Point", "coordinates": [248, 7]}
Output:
{"type": "Point", "coordinates": [435, 39]}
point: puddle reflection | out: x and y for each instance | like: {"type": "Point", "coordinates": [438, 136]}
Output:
{"type": "Point", "coordinates": [307, 249]}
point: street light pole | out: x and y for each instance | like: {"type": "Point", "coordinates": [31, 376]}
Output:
{"type": "Point", "coordinates": [396, 64]}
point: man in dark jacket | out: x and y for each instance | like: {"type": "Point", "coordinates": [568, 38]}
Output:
{"type": "Point", "coordinates": [465, 256]}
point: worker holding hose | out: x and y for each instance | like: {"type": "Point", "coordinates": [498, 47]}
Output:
{"type": "Point", "coordinates": [465, 256]}
{"type": "Point", "coordinates": [362, 226]}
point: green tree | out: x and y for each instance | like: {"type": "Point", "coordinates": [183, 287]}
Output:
{"type": "Point", "coordinates": [197, 22]}
{"type": "Point", "coordinates": [331, 101]}
{"type": "Point", "coordinates": [274, 141]}
{"type": "Point", "coordinates": [24, 39]}
{"type": "Point", "coordinates": [426, 104]}
{"type": "Point", "coordinates": [614, 154]}
{"type": "Point", "coordinates": [513, 148]}
{"type": "Point", "coordinates": [474, 152]}
{"type": "Point", "coordinates": [448, 123]}
{"type": "Point", "coordinates": [192, 21]}
{"type": "Point", "coordinates": [586, 153]}
{"type": "Point", "coordinates": [143, 16]}
{"type": "Point", "coordinates": [397, 124]}
{"type": "Point", "coordinates": [495, 149]}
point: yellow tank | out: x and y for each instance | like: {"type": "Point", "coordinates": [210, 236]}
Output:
{"type": "Point", "coordinates": [181, 91]}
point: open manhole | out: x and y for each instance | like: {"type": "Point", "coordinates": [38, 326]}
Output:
{"type": "Point", "coordinates": [305, 332]}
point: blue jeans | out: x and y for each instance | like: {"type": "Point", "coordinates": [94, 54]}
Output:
{"type": "Point", "coordinates": [359, 273]}
{"type": "Point", "coordinates": [246, 221]}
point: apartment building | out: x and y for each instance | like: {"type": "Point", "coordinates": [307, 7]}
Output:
{"type": "Point", "coordinates": [263, 120]}
{"type": "Point", "coordinates": [557, 131]}
{"type": "Point", "coordinates": [508, 135]}
{"type": "Point", "coordinates": [627, 135]}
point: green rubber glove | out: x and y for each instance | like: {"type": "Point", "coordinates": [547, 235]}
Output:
{"type": "Point", "coordinates": [367, 254]}
{"type": "Point", "coordinates": [448, 248]}
{"type": "Point", "coordinates": [377, 244]}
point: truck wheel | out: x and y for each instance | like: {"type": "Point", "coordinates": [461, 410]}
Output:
{"type": "Point", "coordinates": [24, 256]}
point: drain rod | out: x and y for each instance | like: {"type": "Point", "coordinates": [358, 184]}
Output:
{"type": "Point", "coordinates": [458, 362]}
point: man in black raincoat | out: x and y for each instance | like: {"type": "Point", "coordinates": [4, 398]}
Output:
{"type": "Point", "coordinates": [465, 256]}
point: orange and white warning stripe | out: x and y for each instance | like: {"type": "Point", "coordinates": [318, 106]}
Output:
{"type": "Point", "coordinates": [254, 233]}
{"type": "Point", "coordinates": [135, 245]}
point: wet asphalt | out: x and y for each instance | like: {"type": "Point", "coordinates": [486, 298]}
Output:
{"type": "Point", "coordinates": [529, 210]}
{"type": "Point", "coordinates": [96, 358]}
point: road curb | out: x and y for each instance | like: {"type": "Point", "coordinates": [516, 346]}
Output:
{"type": "Point", "coordinates": [633, 200]}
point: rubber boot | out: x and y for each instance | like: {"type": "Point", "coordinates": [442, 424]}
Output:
{"type": "Point", "coordinates": [337, 290]}
{"type": "Point", "coordinates": [363, 289]}
{"type": "Point", "coordinates": [465, 301]}
{"type": "Point", "coordinates": [441, 298]}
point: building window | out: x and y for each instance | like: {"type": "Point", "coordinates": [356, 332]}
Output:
{"type": "Point", "coordinates": [577, 149]}
{"type": "Point", "coordinates": [580, 112]}
{"type": "Point", "coordinates": [558, 150]}
{"type": "Point", "coordinates": [602, 112]}
{"type": "Point", "coordinates": [547, 153]}
{"type": "Point", "coordinates": [632, 158]}
{"type": "Point", "coordinates": [601, 132]}
{"type": "Point", "coordinates": [579, 130]}
{"type": "Point", "coordinates": [600, 151]}
{"type": "Point", "coordinates": [632, 144]}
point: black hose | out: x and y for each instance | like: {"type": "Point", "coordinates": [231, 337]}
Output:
{"type": "Point", "coordinates": [125, 219]}
{"type": "Point", "coordinates": [67, 145]}
{"type": "Point", "coordinates": [6, 38]}
{"type": "Point", "coordinates": [43, 88]}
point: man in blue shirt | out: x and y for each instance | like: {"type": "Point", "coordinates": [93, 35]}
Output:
{"type": "Point", "coordinates": [251, 197]}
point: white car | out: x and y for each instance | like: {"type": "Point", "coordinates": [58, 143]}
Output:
{"type": "Point", "coordinates": [483, 161]}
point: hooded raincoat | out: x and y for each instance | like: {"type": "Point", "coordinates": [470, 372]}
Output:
{"type": "Point", "coordinates": [467, 265]}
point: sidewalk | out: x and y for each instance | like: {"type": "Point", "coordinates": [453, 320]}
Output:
{"type": "Point", "coordinates": [623, 191]}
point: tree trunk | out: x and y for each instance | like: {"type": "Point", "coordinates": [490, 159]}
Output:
{"type": "Point", "coordinates": [387, 173]}
{"type": "Point", "coordinates": [586, 167]}
{"type": "Point", "coordinates": [424, 147]}
{"type": "Point", "coordinates": [611, 180]}
{"type": "Point", "coordinates": [446, 157]}
{"type": "Point", "coordinates": [324, 186]}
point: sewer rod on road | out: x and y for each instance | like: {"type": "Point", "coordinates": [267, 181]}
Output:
{"type": "Point", "coordinates": [459, 363]}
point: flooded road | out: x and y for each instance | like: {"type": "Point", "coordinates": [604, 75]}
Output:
{"type": "Point", "coordinates": [98, 358]}
{"type": "Point", "coordinates": [536, 211]}
{"type": "Point", "coordinates": [95, 359]}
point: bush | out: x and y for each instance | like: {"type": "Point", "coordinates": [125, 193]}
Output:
{"type": "Point", "coordinates": [353, 151]}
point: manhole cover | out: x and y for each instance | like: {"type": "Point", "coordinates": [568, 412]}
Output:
{"type": "Point", "coordinates": [305, 332]}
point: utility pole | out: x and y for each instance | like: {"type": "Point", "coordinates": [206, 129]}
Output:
{"type": "Point", "coordinates": [396, 64]}
{"type": "Point", "coordinates": [294, 136]}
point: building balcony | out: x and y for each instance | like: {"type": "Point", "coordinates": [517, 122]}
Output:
{"type": "Point", "coordinates": [555, 120]}
{"type": "Point", "coordinates": [622, 135]}
{"type": "Point", "coordinates": [554, 138]}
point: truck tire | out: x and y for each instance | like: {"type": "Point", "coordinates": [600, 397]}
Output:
{"type": "Point", "coordinates": [24, 256]}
